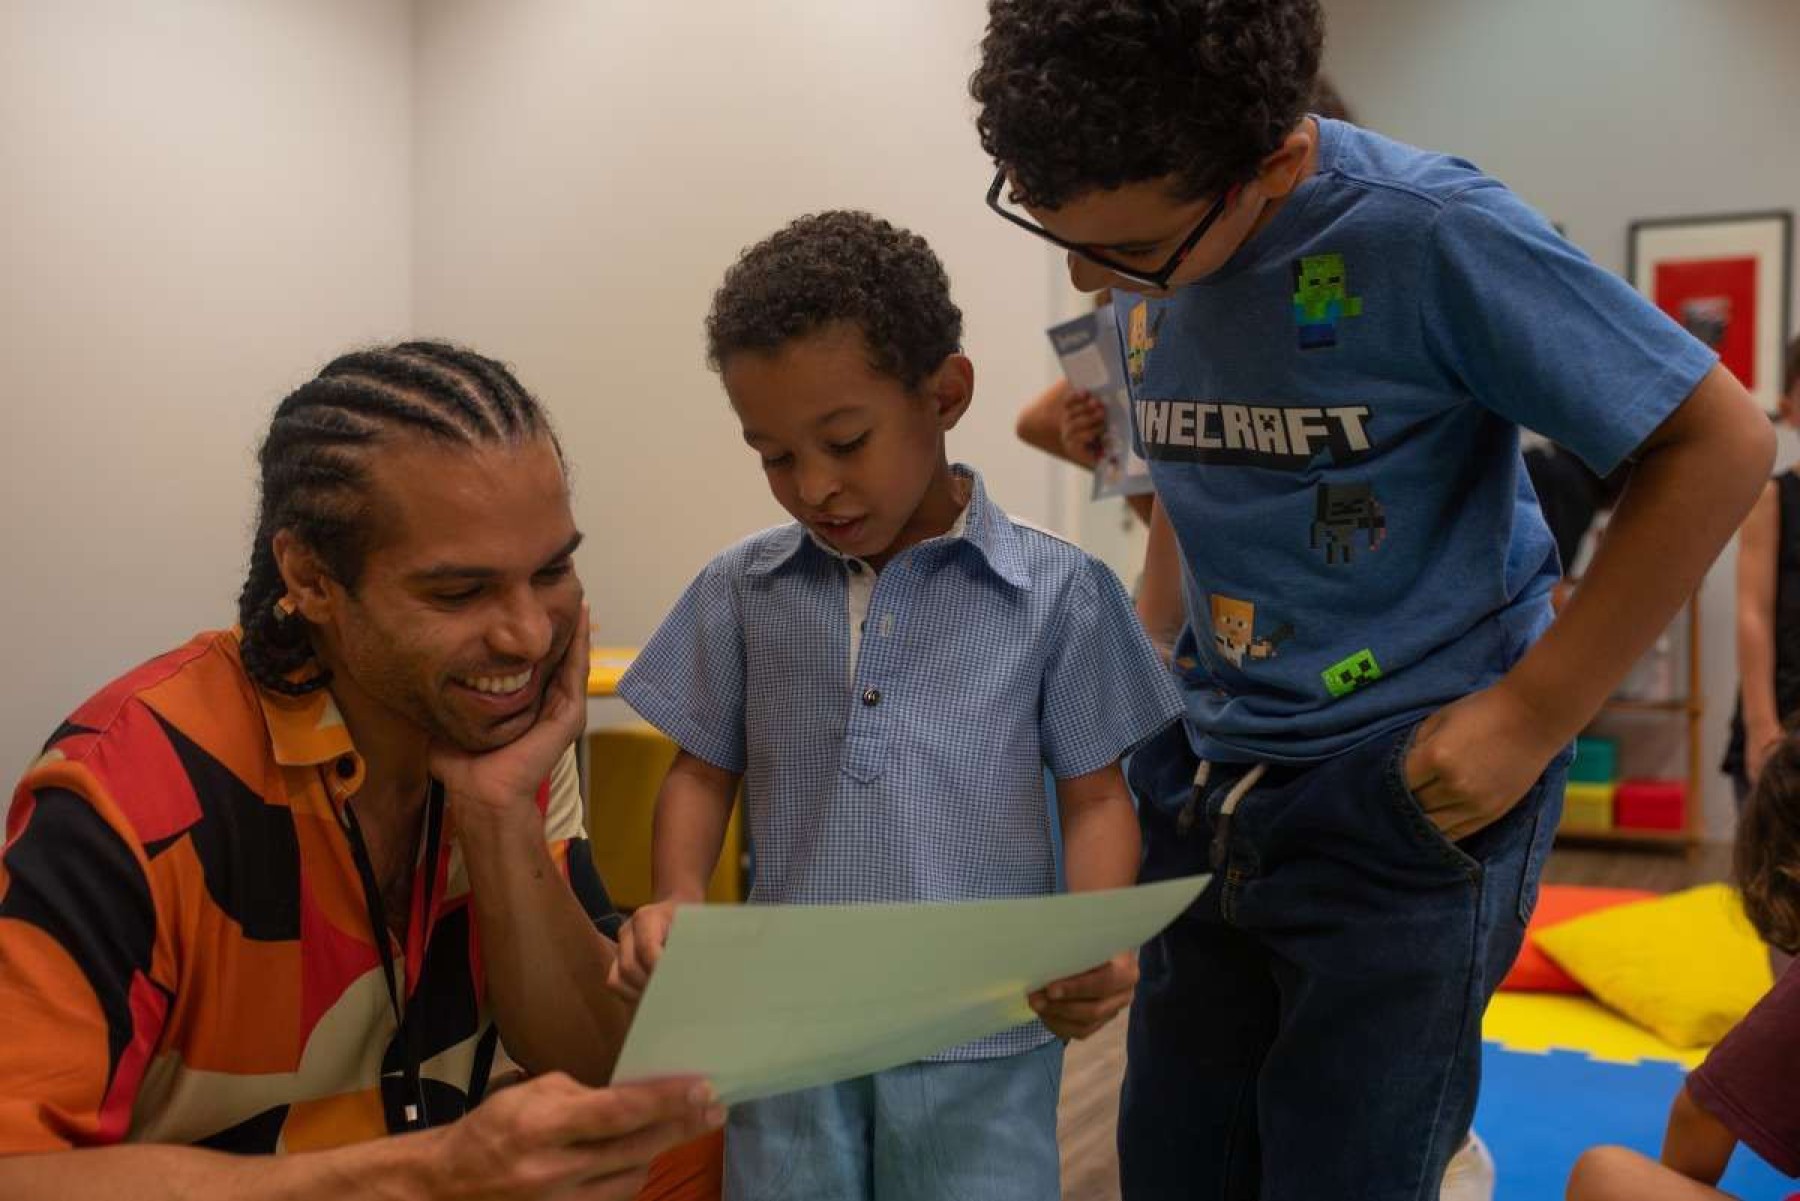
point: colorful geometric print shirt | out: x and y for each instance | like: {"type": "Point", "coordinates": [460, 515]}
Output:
{"type": "Point", "coordinates": [915, 771]}
{"type": "Point", "coordinates": [185, 947]}
{"type": "Point", "coordinates": [1332, 420]}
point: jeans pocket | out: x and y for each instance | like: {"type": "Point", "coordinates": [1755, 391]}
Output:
{"type": "Point", "coordinates": [1051, 1056]}
{"type": "Point", "coordinates": [766, 1145]}
{"type": "Point", "coordinates": [1546, 795]}
{"type": "Point", "coordinates": [990, 1127]}
{"type": "Point", "coordinates": [1418, 823]}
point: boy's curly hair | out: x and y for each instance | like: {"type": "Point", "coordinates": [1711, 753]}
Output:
{"type": "Point", "coordinates": [839, 266]}
{"type": "Point", "coordinates": [1766, 855]}
{"type": "Point", "coordinates": [1085, 95]}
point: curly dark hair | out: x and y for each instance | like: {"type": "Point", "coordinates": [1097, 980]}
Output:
{"type": "Point", "coordinates": [839, 266]}
{"type": "Point", "coordinates": [315, 474]}
{"type": "Point", "coordinates": [1766, 853]}
{"type": "Point", "coordinates": [1085, 95]}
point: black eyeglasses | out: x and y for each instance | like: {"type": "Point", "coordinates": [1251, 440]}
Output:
{"type": "Point", "coordinates": [1158, 279]}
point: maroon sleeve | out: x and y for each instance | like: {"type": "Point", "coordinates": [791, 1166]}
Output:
{"type": "Point", "coordinates": [1751, 1081]}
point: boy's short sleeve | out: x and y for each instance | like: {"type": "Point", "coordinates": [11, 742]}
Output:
{"type": "Point", "coordinates": [688, 681]}
{"type": "Point", "coordinates": [1105, 688]}
{"type": "Point", "coordinates": [1748, 1080]}
{"type": "Point", "coordinates": [1541, 335]}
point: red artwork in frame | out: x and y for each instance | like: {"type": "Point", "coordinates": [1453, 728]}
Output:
{"type": "Point", "coordinates": [1724, 278]}
{"type": "Point", "coordinates": [1715, 300]}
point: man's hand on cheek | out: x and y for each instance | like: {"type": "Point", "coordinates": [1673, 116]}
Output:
{"type": "Point", "coordinates": [488, 784]}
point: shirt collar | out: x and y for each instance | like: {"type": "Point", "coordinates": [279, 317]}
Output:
{"type": "Point", "coordinates": [981, 525]}
{"type": "Point", "coordinates": [309, 731]}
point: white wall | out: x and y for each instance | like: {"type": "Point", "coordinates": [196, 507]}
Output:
{"type": "Point", "coordinates": [1598, 112]}
{"type": "Point", "coordinates": [202, 199]}
{"type": "Point", "coordinates": [586, 172]}
{"type": "Point", "coordinates": [205, 198]}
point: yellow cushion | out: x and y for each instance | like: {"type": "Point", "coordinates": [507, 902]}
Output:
{"type": "Point", "coordinates": [1687, 966]}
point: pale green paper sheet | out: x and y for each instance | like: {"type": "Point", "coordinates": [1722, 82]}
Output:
{"type": "Point", "coordinates": [764, 999]}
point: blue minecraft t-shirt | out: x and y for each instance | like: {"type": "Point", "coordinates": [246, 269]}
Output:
{"type": "Point", "coordinates": [1332, 423]}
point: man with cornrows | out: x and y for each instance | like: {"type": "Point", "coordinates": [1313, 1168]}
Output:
{"type": "Point", "coordinates": [287, 887]}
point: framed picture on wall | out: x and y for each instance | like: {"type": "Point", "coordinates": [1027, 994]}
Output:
{"type": "Point", "coordinates": [1725, 279]}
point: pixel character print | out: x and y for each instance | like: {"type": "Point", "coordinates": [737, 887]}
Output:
{"type": "Point", "coordinates": [1322, 299]}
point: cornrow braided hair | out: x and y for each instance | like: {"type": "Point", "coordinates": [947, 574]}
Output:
{"type": "Point", "coordinates": [314, 465]}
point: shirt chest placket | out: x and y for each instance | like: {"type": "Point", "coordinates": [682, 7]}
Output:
{"type": "Point", "coordinates": [871, 599]}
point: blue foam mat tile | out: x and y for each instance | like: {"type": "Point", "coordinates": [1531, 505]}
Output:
{"type": "Point", "coordinates": [1539, 1112]}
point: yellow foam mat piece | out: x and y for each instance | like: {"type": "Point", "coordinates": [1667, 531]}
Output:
{"type": "Point", "coordinates": [1541, 1022]}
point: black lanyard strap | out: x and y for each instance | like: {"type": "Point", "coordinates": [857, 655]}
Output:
{"type": "Point", "coordinates": [409, 1031]}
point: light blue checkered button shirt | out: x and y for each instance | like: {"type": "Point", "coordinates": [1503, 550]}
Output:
{"type": "Point", "coordinates": [987, 654]}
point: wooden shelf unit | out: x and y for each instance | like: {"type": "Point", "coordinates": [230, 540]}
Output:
{"type": "Point", "coordinates": [1692, 706]}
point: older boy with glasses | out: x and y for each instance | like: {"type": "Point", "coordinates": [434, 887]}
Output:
{"type": "Point", "coordinates": [1335, 341]}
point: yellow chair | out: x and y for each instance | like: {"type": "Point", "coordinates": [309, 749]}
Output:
{"type": "Point", "coordinates": [626, 765]}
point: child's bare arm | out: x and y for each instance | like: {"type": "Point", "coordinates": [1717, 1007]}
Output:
{"type": "Point", "coordinates": [1099, 830]}
{"type": "Point", "coordinates": [1159, 593]}
{"type": "Point", "coordinates": [1696, 1144]}
{"type": "Point", "coordinates": [1040, 421]}
{"type": "Point", "coordinates": [1695, 479]}
{"type": "Point", "coordinates": [1100, 850]}
{"type": "Point", "coordinates": [692, 811]}
{"type": "Point", "coordinates": [693, 808]}
{"type": "Point", "coordinates": [1621, 1174]}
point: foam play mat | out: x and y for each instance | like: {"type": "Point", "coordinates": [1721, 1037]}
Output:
{"type": "Point", "coordinates": [1561, 1074]}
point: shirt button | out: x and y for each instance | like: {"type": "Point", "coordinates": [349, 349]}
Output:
{"type": "Point", "coordinates": [346, 766]}
{"type": "Point", "coordinates": [871, 696]}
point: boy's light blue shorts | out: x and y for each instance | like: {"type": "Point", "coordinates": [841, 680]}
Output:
{"type": "Point", "coordinates": [982, 1130]}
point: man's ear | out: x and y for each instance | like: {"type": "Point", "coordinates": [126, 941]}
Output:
{"type": "Point", "coordinates": [309, 584]}
{"type": "Point", "coordinates": [950, 389]}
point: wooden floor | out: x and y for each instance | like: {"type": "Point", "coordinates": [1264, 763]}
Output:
{"type": "Point", "coordinates": [1092, 1069]}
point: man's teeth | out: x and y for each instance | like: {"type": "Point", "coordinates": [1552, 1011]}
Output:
{"type": "Point", "coordinates": [499, 684]}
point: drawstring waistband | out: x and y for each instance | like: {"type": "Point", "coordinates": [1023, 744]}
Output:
{"type": "Point", "coordinates": [1221, 839]}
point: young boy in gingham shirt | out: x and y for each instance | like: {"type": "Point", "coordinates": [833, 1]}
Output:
{"type": "Point", "coordinates": [889, 675]}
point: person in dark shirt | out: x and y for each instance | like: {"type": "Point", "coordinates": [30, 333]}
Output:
{"type": "Point", "coordinates": [1768, 610]}
{"type": "Point", "coordinates": [1571, 495]}
{"type": "Point", "coordinates": [1747, 1090]}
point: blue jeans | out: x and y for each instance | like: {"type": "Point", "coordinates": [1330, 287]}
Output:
{"type": "Point", "coordinates": [1311, 1027]}
{"type": "Point", "coordinates": [980, 1130]}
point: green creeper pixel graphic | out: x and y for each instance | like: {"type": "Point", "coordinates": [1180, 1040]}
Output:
{"type": "Point", "coordinates": [1347, 675]}
{"type": "Point", "coordinates": [1321, 299]}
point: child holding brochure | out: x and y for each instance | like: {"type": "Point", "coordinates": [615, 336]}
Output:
{"type": "Point", "coordinates": [889, 675]}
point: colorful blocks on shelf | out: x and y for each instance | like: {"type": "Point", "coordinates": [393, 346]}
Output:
{"type": "Point", "coordinates": [1588, 807]}
{"type": "Point", "coordinates": [1651, 805]}
{"type": "Point", "coordinates": [1596, 761]}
